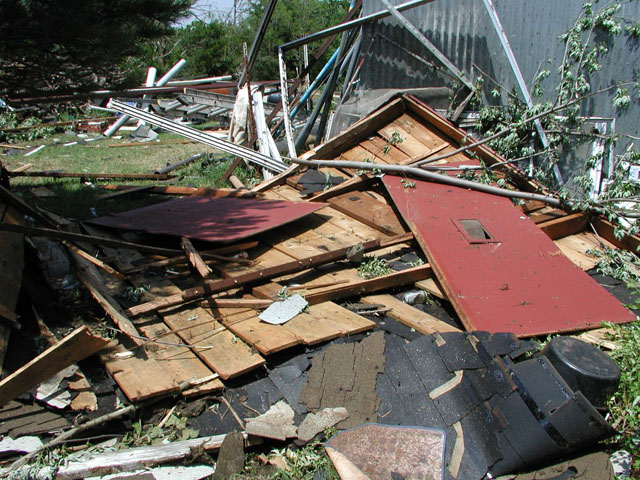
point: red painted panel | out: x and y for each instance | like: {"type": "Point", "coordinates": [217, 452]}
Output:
{"type": "Point", "coordinates": [212, 219]}
{"type": "Point", "coordinates": [501, 272]}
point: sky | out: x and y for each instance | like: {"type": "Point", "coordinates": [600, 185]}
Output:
{"type": "Point", "coordinates": [216, 8]}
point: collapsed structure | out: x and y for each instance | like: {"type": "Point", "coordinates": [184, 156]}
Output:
{"type": "Point", "coordinates": [239, 291]}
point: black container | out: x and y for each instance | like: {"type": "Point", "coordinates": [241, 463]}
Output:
{"type": "Point", "coordinates": [585, 368]}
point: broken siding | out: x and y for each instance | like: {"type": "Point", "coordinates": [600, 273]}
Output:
{"type": "Point", "coordinates": [463, 31]}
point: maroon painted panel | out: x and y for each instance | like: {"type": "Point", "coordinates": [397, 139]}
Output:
{"type": "Point", "coordinates": [212, 219]}
{"type": "Point", "coordinates": [501, 272]}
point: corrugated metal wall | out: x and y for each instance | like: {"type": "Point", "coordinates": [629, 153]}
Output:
{"type": "Point", "coordinates": [463, 31]}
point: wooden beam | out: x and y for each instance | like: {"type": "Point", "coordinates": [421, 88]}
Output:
{"type": "Point", "coordinates": [21, 206]}
{"type": "Point", "coordinates": [91, 279]}
{"type": "Point", "coordinates": [410, 316]}
{"type": "Point", "coordinates": [76, 346]}
{"type": "Point", "coordinates": [295, 266]}
{"type": "Point", "coordinates": [565, 226]}
{"type": "Point", "coordinates": [194, 258]}
{"type": "Point", "coordinates": [124, 191]}
{"type": "Point", "coordinates": [605, 229]}
{"type": "Point", "coordinates": [48, 232]}
{"type": "Point", "coordinates": [182, 191]}
{"type": "Point", "coordinates": [364, 287]}
{"type": "Point", "coordinates": [128, 176]}
{"type": "Point", "coordinates": [214, 253]}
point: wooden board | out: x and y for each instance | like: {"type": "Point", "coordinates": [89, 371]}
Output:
{"type": "Point", "coordinates": [371, 212]}
{"type": "Point", "coordinates": [575, 247]}
{"type": "Point", "coordinates": [508, 276]}
{"type": "Point", "coordinates": [76, 346]}
{"type": "Point", "coordinates": [410, 316]}
{"type": "Point", "coordinates": [138, 377]}
{"type": "Point", "coordinates": [180, 363]}
{"type": "Point", "coordinates": [226, 355]}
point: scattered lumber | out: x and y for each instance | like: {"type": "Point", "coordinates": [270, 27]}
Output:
{"type": "Point", "coordinates": [183, 191]}
{"type": "Point", "coordinates": [76, 346]}
{"type": "Point", "coordinates": [48, 232]}
{"type": "Point", "coordinates": [210, 288]}
{"type": "Point", "coordinates": [128, 176]}
{"type": "Point", "coordinates": [194, 258]}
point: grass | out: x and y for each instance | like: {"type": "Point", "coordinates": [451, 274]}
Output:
{"type": "Point", "coordinates": [624, 406]}
{"type": "Point", "coordinates": [74, 199]}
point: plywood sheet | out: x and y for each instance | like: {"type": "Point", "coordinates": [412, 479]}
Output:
{"type": "Point", "coordinates": [216, 346]}
{"type": "Point", "coordinates": [507, 275]}
{"type": "Point", "coordinates": [212, 219]}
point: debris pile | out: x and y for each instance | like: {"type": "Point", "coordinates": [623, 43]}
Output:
{"type": "Point", "coordinates": [344, 293]}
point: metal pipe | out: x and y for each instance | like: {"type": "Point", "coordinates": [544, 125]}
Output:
{"type": "Point", "coordinates": [319, 79]}
{"type": "Point", "coordinates": [341, 27]}
{"type": "Point", "coordinates": [171, 73]}
{"type": "Point", "coordinates": [257, 41]}
{"type": "Point", "coordinates": [198, 136]}
{"type": "Point", "coordinates": [160, 83]}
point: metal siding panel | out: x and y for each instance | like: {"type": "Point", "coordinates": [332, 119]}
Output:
{"type": "Point", "coordinates": [463, 32]}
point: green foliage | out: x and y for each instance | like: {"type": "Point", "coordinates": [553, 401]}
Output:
{"type": "Point", "coordinates": [305, 463]}
{"type": "Point", "coordinates": [49, 46]}
{"type": "Point", "coordinates": [174, 429]}
{"type": "Point", "coordinates": [291, 19]}
{"type": "Point", "coordinates": [374, 267]}
{"type": "Point", "coordinates": [619, 264]}
{"type": "Point", "coordinates": [624, 406]}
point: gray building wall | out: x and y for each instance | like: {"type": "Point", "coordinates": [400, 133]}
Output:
{"type": "Point", "coordinates": [463, 31]}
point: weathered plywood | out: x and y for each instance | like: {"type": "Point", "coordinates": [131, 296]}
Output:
{"type": "Point", "coordinates": [180, 363]}
{"type": "Point", "coordinates": [216, 346]}
{"type": "Point", "coordinates": [371, 212]}
{"type": "Point", "coordinates": [138, 377]}
{"type": "Point", "coordinates": [410, 316]}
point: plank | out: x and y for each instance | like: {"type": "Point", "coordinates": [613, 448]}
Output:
{"type": "Point", "coordinates": [264, 337]}
{"type": "Point", "coordinates": [431, 286]}
{"type": "Point", "coordinates": [76, 346]}
{"type": "Point", "coordinates": [421, 133]}
{"type": "Point", "coordinates": [575, 248]}
{"type": "Point", "coordinates": [373, 213]}
{"type": "Point", "coordinates": [379, 145]}
{"type": "Point", "coordinates": [410, 316]}
{"type": "Point", "coordinates": [565, 226]}
{"type": "Point", "coordinates": [606, 230]}
{"type": "Point", "coordinates": [91, 279]}
{"type": "Point", "coordinates": [362, 286]}
{"type": "Point", "coordinates": [78, 237]}
{"type": "Point", "coordinates": [139, 378]}
{"type": "Point", "coordinates": [180, 363]}
{"type": "Point", "coordinates": [357, 182]}
{"type": "Point", "coordinates": [194, 258]}
{"type": "Point", "coordinates": [173, 190]}
{"type": "Point", "coordinates": [226, 356]}
{"type": "Point", "coordinates": [265, 274]}
{"type": "Point", "coordinates": [409, 145]}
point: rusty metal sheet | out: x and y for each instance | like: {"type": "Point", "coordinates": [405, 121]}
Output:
{"type": "Point", "coordinates": [212, 219]}
{"type": "Point", "coordinates": [500, 271]}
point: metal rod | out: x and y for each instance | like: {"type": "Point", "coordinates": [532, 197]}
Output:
{"type": "Point", "coordinates": [257, 41]}
{"type": "Point", "coordinates": [198, 136]}
{"type": "Point", "coordinates": [502, 35]}
{"type": "Point", "coordinates": [427, 44]}
{"type": "Point", "coordinates": [341, 27]}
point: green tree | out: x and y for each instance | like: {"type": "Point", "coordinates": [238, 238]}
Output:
{"type": "Point", "coordinates": [48, 46]}
{"type": "Point", "coordinates": [291, 19]}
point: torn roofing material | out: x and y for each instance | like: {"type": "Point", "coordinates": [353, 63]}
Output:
{"type": "Point", "coordinates": [212, 219]}
{"type": "Point", "coordinates": [500, 271]}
